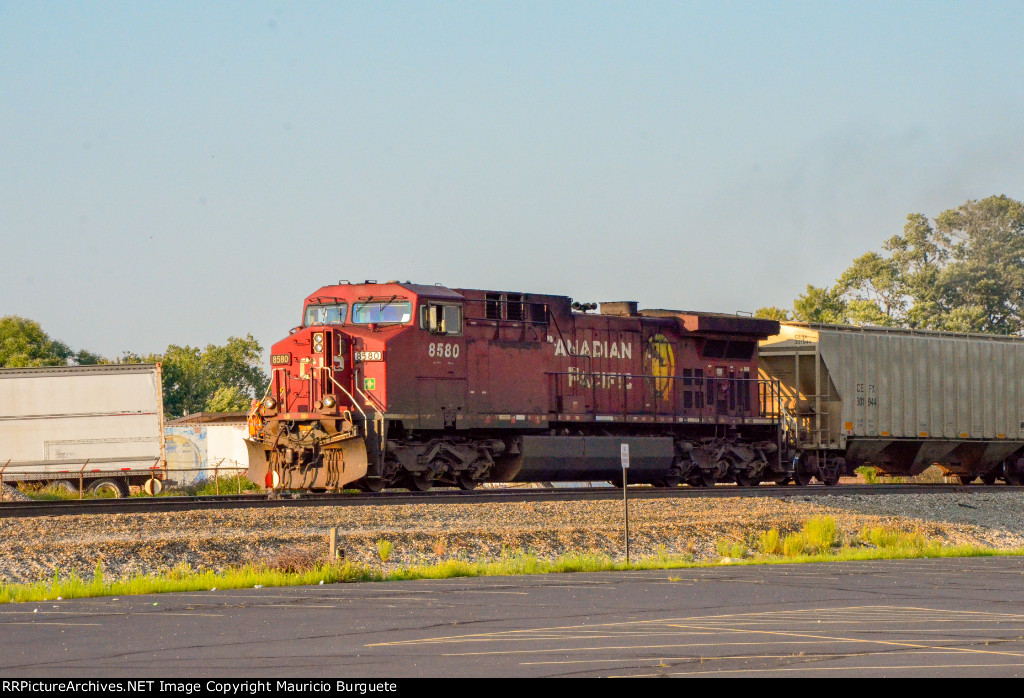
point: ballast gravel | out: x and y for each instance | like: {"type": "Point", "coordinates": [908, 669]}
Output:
{"type": "Point", "coordinates": [127, 544]}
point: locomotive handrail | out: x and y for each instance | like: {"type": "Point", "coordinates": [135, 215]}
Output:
{"type": "Point", "coordinates": [330, 374]}
{"type": "Point", "coordinates": [370, 400]}
{"type": "Point", "coordinates": [266, 392]}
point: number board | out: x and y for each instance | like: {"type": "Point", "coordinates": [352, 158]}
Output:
{"type": "Point", "coordinates": [369, 356]}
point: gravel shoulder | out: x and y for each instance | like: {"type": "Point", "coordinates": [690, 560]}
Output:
{"type": "Point", "coordinates": [127, 544]}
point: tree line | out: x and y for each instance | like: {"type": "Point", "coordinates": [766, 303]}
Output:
{"type": "Point", "coordinates": [962, 271]}
{"type": "Point", "coordinates": [217, 378]}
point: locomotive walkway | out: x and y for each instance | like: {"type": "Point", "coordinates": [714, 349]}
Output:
{"type": "Point", "coordinates": [135, 505]}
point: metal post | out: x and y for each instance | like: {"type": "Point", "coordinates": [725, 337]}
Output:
{"type": "Point", "coordinates": [2, 479]}
{"type": "Point", "coordinates": [216, 479]}
{"type": "Point", "coordinates": [81, 479]}
{"type": "Point", "coordinates": [334, 543]}
{"type": "Point", "coordinates": [624, 458]}
{"type": "Point", "coordinates": [625, 510]}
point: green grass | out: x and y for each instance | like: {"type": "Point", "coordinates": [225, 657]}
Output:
{"type": "Point", "coordinates": [225, 484]}
{"type": "Point", "coordinates": [817, 541]}
{"type": "Point", "coordinates": [53, 493]}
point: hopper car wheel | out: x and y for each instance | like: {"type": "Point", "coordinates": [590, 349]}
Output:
{"type": "Point", "coordinates": [783, 481]}
{"type": "Point", "coordinates": [830, 479]}
{"type": "Point", "coordinates": [989, 478]}
{"type": "Point", "coordinates": [108, 488]}
{"type": "Point", "coordinates": [616, 482]}
{"type": "Point", "coordinates": [1014, 477]}
{"type": "Point", "coordinates": [466, 482]}
{"type": "Point", "coordinates": [966, 479]}
{"type": "Point", "coordinates": [802, 479]}
{"type": "Point", "coordinates": [419, 482]}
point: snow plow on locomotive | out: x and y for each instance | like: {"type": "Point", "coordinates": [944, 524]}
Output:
{"type": "Point", "coordinates": [397, 384]}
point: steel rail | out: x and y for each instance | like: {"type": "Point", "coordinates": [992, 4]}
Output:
{"type": "Point", "coordinates": [139, 505]}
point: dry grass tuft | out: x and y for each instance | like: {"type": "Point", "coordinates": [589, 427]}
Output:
{"type": "Point", "coordinates": [291, 561]}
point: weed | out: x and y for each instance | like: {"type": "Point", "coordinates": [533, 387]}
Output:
{"type": "Point", "coordinates": [738, 550]}
{"type": "Point", "coordinates": [769, 542]}
{"type": "Point", "coordinates": [723, 547]}
{"type": "Point", "coordinates": [183, 570]}
{"type": "Point", "coordinates": [819, 534]}
{"type": "Point", "coordinates": [793, 545]}
{"type": "Point", "coordinates": [869, 474]}
{"type": "Point", "coordinates": [384, 548]}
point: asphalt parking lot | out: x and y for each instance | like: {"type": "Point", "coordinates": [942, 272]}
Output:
{"type": "Point", "coordinates": [952, 617]}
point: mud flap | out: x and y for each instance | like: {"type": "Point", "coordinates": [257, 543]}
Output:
{"type": "Point", "coordinates": [259, 466]}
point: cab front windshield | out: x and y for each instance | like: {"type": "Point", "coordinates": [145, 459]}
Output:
{"type": "Point", "coordinates": [381, 312]}
{"type": "Point", "coordinates": [326, 314]}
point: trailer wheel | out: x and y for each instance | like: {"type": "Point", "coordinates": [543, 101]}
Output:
{"type": "Point", "coordinates": [65, 486]}
{"type": "Point", "coordinates": [108, 487]}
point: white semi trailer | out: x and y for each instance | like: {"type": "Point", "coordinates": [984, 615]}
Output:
{"type": "Point", "coordinates": [97, 427]}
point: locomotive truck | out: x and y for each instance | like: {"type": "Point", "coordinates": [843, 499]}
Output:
{"type": "Point", "coordinates": [406, 385]}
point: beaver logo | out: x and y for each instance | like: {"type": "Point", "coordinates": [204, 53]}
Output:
{"type": "Point", "coordinates": [660, 366]}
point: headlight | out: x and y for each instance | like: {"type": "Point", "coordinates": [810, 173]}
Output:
{"type": "Point", "coordinates": [269, 403]}
{"type": "Point", "coordinates": [318, 342]}
{"type": "Point", "coordinates": [329, 401]}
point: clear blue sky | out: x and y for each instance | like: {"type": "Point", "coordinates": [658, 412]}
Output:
{"type": "Point", "coordinates": [180, 172]}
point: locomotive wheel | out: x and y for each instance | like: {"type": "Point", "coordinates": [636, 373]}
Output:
{"type": "Point", "coordinates": [672, 480]}
{"type": "Point", "coordinates": [703, 478]}
{"type": "Point", "coordinates": [466, 482]}
{"type": "Point", "coordinates": [747, 480]}
{"type": "Point", "coordinates": [419, 482]}
{"type": "Point", "coordinates": [966, 479]}
{"type": "Point", "coordinates": [368, 484]}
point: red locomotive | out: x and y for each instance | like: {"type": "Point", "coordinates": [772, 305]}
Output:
{"type": "Point", "coordinates": [399, 384]}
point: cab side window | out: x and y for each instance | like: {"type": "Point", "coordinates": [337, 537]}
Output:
{"type": "Point", "coordinates": [441, 319]}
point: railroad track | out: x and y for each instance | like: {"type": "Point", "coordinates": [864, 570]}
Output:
{"type": "Point", "coordinates": [135, 505]}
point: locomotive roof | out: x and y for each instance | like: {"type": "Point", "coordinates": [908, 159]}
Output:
{"type": "Point", "coordinates": [422, 290]}
{"type": "Point", "coordinates": [718, 322]}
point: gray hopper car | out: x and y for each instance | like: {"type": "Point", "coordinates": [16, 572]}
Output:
{"type": "Point", "coordinates": [899, 400]}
